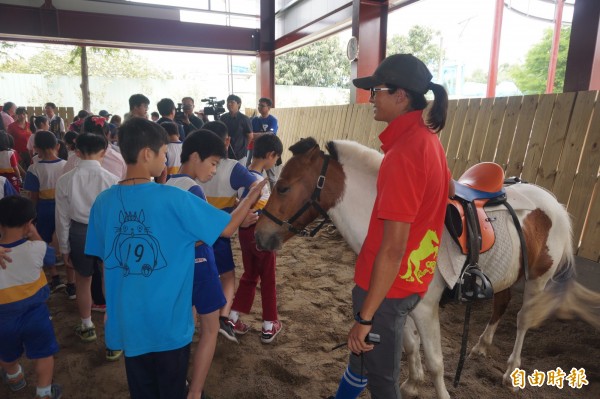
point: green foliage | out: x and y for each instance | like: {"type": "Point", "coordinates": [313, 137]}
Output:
{"type": "Point", "coordinates": [6, 50]}
{"type": "Point", "coordinates": [422, 42]}
{"type": "Point", "coordinates": [113, 63]}
{"type": "Point", "coordinates": [319, 64]}
{"type": "Point", "coordinates": [505, 73]}
{"type": "Point", "coordinates": [533, 75]}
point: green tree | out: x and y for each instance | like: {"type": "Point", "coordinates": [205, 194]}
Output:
{"type": "Point", "coordinates": [505, 73]}
{"type": "Point", "coordinates": [6, 50]}
{"type": "Point", "coordinates": [319, 64]}
{"type": "Point", "coordinates": [421, 41]}
{"type": "Point", "coordinates": [531, 77]}
{"type": "Point", "coordinates": [80, 54]}
{"type": "Point", "coordinates": [83, 62]}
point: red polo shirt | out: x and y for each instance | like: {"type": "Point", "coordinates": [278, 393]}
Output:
{"type": "Point", "coordinates": [21, 136]}
{"type": "Point", "coordinates": [412, 187]}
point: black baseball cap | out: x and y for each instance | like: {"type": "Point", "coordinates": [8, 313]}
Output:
{"type": "Point", "coordinates": [104, 113]}
{"type": "Point", "coordinates": [404, 71]}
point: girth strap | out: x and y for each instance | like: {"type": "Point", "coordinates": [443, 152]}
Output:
{"type": "Point", "coordinates": [515, 219]}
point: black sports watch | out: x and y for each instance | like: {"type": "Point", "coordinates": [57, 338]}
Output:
{"type": "Point", "coordinates": [362, 321]}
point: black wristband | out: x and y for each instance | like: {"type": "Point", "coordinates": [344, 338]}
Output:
{"type": "Point", "coordinates": [360, 320]}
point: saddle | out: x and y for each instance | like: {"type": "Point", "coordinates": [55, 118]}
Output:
{"type": "Point", "coordinates": [468, 224]}
{"type": "Point", "coordinates": [466, 220]}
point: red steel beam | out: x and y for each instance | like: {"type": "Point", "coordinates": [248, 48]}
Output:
{"type": "Point", "coordinates": [369, 26]}
{"type": "Point", "coordinates": [81, 27]}
{"type": "Point", "coordinates": [495, 51]}
{"type": "Point", "coordinates": [558, 12]}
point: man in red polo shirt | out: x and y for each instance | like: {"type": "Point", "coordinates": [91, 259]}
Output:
{"type": "Point", "coordinates": [398, 258]}
{"type": "Point", "coordinates": [20, 132]}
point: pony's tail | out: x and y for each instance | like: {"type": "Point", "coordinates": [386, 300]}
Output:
{"type": "Point", "coordinates": [566, 299]}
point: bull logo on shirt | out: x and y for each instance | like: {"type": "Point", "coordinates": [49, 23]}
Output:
{"type": "Point", "coordinates": [425, 256]}
{"type": "Point", "coordinates": [135, 249]}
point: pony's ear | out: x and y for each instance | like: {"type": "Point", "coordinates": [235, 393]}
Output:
{"type": "Point", "coordinates": [304, 145]}
{"type": "Point", "coordinates": [332, 150]}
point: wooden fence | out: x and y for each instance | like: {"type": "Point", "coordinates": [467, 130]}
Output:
{"type": "Point", "coordinates": [552, 140]}
{"type": "Point", "coordinates": [67, 113]}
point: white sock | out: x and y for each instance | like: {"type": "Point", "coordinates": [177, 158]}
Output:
{"type": "Point", "coordinates": [234, 316]}
{"type": "Point", "coordinates": [44, 391]}
{"type": "Point", "coordinates": [267, 325]}
{"type": "Point", "coordinates": [87, 322]}
{"type": "Point", "coordinates": [15, 375]}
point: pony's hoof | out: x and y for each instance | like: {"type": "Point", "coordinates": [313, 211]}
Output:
{"type": "Point", "coordinates": [507, 382]}
{"type": "Point", "coordinates": [478, 350]}
{"type": "Point", "coordinates": [409, 389]}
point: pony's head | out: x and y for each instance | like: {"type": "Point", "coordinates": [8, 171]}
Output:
{"type": "Point", "coordinates": [294, 203]}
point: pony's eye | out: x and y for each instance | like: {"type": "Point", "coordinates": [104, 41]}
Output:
{"type": "Point", "coordinates": [283, 190]}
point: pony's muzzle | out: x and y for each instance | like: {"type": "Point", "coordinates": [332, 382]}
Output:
{"type": "Point", "coordinates": [267, 241]}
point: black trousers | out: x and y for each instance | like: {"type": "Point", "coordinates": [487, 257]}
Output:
{"type": "Point", "coordinates": [97, 294]}
{"type": "Point", "coordinates": [158, 375]}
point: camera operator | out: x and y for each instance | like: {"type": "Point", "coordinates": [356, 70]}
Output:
{"type": "Point", "coordinates": [187, 117]}
{"type": "Point", "coordinates": [240, 129]}
{"type": "Point", "coordinates": [166, 109]}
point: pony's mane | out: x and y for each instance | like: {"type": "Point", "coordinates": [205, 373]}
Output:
{"type": "Point", "coordinates": [349, 152]}
{"type": "Point", "coordinates": [303, 146]}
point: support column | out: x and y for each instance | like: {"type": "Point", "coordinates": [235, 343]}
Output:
{"type": "Point", "coordinates": [558, 12]}
{"type": "Point", "coordinates": [369, 26]}
{"type": "Point", "coordinates": [265, 71]}
{"type": "Point", "coordinates": [583, 60]}
{"type": "Point", "coordinates": [495, 51]}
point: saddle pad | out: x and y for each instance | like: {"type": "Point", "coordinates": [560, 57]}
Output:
{"type": "Point", "coordinates": [494, 263]}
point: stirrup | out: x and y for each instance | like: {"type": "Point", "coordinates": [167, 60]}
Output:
{"type": "Point", "coordinates": [474, 285]}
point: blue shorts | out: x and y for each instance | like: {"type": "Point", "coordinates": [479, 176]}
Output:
{"type": "Point", "coordinates": [207, 294]}
{"type": "Point", "coordinates": [31, 331]}
{"type": "Point", "coordinates": [223, 255]}
{"type": "Point", "coordinates": [45, 219]}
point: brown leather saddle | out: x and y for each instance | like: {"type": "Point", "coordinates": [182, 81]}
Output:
{"type": "Point", "coordinates": [466, 219]}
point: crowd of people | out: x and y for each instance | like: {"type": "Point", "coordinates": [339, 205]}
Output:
{"type": "Point", "coordinates": [150, 206]}
{"type": "Point", "coordinates": [139, 212]}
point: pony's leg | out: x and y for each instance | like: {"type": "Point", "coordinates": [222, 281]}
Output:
{"type": "Point", "coordinates": [533, 288]}
{"type": "Point", "coordinates": [426, 317]}
{"type": "Point", "coordinates": [501, 300]}
{"type": "Point", "coordinates": [412, 343]}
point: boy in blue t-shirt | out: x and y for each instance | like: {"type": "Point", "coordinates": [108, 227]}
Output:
{"type": "Point", "coordinates": [145, 234]}
{"type": "Point", "coordinates": [222, 192]}
{"type": "Point", "coordinates": [24, 318]}
{"type": "Point", "coordinates": [202, 150]}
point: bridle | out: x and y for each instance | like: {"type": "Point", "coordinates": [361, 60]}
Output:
{"type": "Point", "coordinates": [313, 202]}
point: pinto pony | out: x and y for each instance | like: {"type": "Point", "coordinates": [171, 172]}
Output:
{"type": "Point", "coordinates": [342, 184]}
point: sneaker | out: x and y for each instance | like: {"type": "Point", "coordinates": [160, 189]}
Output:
{"type": "Point", "coordinates": [71, 291]}
{"type": "Point", "coordinates": [226, 330]}
{"type": "Point", "coordinates": [112, 355]}
{"type": "Point", "coordinates": [56, 284]}
{"type": "Point", "coordinates": [98, 308]}
{"type": "Point", "coordinates": [86, 334]}
{"type": "Point", "coordinates": [14, 384]}
{"type": "Point", "coordinates": [56, 393]}
{"type": "Point", "coordinates": [239, 327]}
{"type": "Point", "coordinates": [267, 337]}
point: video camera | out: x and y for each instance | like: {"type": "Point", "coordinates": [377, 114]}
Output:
{"type": "Point", "coordinates": [213, 107]}
{"type": "Point", "coordinates": [179, 114]}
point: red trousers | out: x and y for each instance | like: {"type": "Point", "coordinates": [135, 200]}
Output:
{"type": "Point", "coordinates": [258, 265]}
